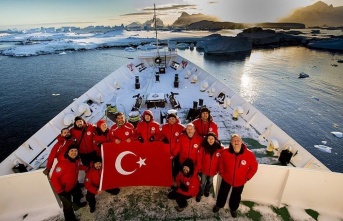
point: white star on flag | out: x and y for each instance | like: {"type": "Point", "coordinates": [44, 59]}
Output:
{"type": "Point", "coordinates": [141, 162]}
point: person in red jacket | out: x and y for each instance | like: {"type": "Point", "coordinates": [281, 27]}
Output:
{"type": "Point", "coordinates": [188, 146]}
{"type": "Point", "coordinates": [188, 184]}
{"type": "Point", "coordinates": [205, 124]}
{"type": "Point", "coordinates": [170, 133]}
{"type": "Point", "coordinates": [92, 183]}
{"type": "Point", "coordinates": [83, 134]}
{"type": "Point", "coordinates": [121, 131]}
{"type": "Point", "coordinates": [64, 140]}
{"type": "Point", "coordinates": [101, 135]}
{"type": "Point", "coordinates": [211, 152]}
{"type": "Point", "coordinates": [147, 129]}
{"type": "Point", "coordinates": [64, 180]}
{"type": "Point", "coordinates": [237, 165]}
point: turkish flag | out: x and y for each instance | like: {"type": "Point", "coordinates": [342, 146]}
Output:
{"type": "Point", "coordinates": [135, 164]}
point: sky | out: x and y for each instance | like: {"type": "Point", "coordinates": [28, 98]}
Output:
{"type": "Point", "coordinates": [82, 13]}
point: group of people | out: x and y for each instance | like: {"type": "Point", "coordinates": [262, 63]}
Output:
{"type": "Point", "coordinates": [196, 151]}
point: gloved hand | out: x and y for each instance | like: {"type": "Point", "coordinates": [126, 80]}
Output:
{"type": "Point", "coordinates": [99, 144]}
{"type": "Point", "coordinates": [183, 187]}
{"type": "Point", "coordinates": [46, 171]}
{"type": "Point", "coordinates": [151, 139]}
{"type": "Point", "coordinates": [140, 139]}
{"type": "Point", "coordinates": [165, 140]}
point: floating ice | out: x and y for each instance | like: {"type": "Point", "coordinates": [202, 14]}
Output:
{"type": "Point", "coordinates": [337, 134]}
{"type": "Point", "coordinates": [323, 148]}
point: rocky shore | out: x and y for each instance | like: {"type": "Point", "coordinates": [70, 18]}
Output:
{"type": "Point", "coordinates": [257, 38]}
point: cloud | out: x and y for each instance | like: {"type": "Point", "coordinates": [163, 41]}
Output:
{"type": "Point", "coordinates": [161, 9]}
{"type": "Point", "coordinates": [171, 7]}
{"type": "Point", "coordinates": [137, 13]}
{"type": "Point", "coordinates": [164, 11]}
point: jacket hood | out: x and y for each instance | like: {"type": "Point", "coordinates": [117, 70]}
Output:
{"type": "Point", "coordinates": [149, 113]}
{"type": "Point", "coordinates": [205, 109]}
{"type": "Point", "coordinates": [189, 163]}
{"type": "Point", "coordinates": [60, 138]}
{"type": "Point", "coordinates": [84, 123]}
{"type": "Point", "coordinates": [100, 122]}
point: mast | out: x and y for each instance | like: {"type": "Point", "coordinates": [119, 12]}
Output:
{"type": "Point", "coordinates": [155, 26]}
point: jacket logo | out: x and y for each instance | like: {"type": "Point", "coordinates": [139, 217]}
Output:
{"type": "Point", "coordinates": [58, 169]}
{"type": "Point", "coordinates": [195, 145]}
{"type": "Point", "coordinates": [177, 134]}
{"type": "Point", "coordinates": [153, 128]}
{"type": "Point", "coordinates": [217, 154]}
{"type": "Point", "coordinates": [89, 133]}
{"type": "Point", "coordinates": [210, 129]}
{"type": "Point", "coordinates": [243, 162]}
{"type": "Point", "coordinates": [127, 133]}
{"type": "Point", "coordinates": [187, 183]}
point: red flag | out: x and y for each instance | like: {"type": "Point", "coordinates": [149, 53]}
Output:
{"type": "Point", "coordinates": [135, 164]}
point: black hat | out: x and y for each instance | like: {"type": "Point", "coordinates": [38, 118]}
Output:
{"type": "Point", "coordinates": [72, 146]}
{"type": "Point", "coordinates": [97, 159]}
{"type": "Point", "coordinates": [190, 164]}
{"type": "Point", "coordinates": [211, 134]}
{"type": "Point", "coordinates": [204, 109]}
{"type": "Point", "coordinates": [171, 115]}
{"type": "Point", "coordinates": [78, 118]}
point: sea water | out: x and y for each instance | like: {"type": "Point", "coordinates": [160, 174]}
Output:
{"type": "Point", "coordinates": [35, 89]}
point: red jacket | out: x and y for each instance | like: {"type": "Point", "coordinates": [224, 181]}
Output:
{"type": "Point", "coordinates": [122, 133]}
{"type": "Point", "coordinates": [92, 180]}
{"type": "Point", "coordinates": [64, 177]}
{"type": "Point", "coordinates": [172, 132]}
{"type": "Point", "coordinates": [188, 148]}
{"type": "Point", "coordinates": [86, 144]}
{"type": "Point", "coordinates": [58, 150]}
{"type": "Point", "coordinates": [193, 184]}
{"type": "Point", "coordinates": [148, 129]}
{"type": "Point", "coordinates": [210, 163]}
{"type": "Point", "coordinates": [100, 137]}
{"type": "Point", "coordinates": [202, 128]}
{"type": "Point", "coordinates": [237, 169]}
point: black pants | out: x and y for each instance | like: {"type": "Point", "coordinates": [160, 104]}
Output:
{"type": "Point", "coordinates": [68, 210]}
{"type": "Point", "coordinates": [235, 197]}
{"type": "Point", "coordinates": [76, 193]}
{"type": "Point", "coordinates": [87, 158]}
{"type": "Point", "coordinates": [181, 200]}
{"type": "Point", "coordinates": [175, 166]}
{"type": "Point", "coordinates": [90, 197]}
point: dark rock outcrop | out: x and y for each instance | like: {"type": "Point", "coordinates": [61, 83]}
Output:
{"type": "Point", "coordinates": [186, 19]}
{"type": "Point", "coordinates": [212, 25]}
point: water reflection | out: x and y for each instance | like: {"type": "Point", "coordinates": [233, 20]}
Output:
{"type": "Point", "coordinates": [248, 85]}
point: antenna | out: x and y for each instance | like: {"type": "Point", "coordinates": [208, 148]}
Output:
{"type": "Point", "coordinates": [155, 26]}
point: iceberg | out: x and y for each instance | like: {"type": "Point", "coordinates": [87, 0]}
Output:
{"type": "Point", "coordinates": [227, 45]}
{"type": "Point", "coordinates": [335, 44]}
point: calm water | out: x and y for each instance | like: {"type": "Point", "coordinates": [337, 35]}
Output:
{"type": "Point", "coordinates": [307, 109]}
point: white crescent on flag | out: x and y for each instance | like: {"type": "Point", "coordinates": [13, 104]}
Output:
{"type": "Point", "coordinates": [118, 163]}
